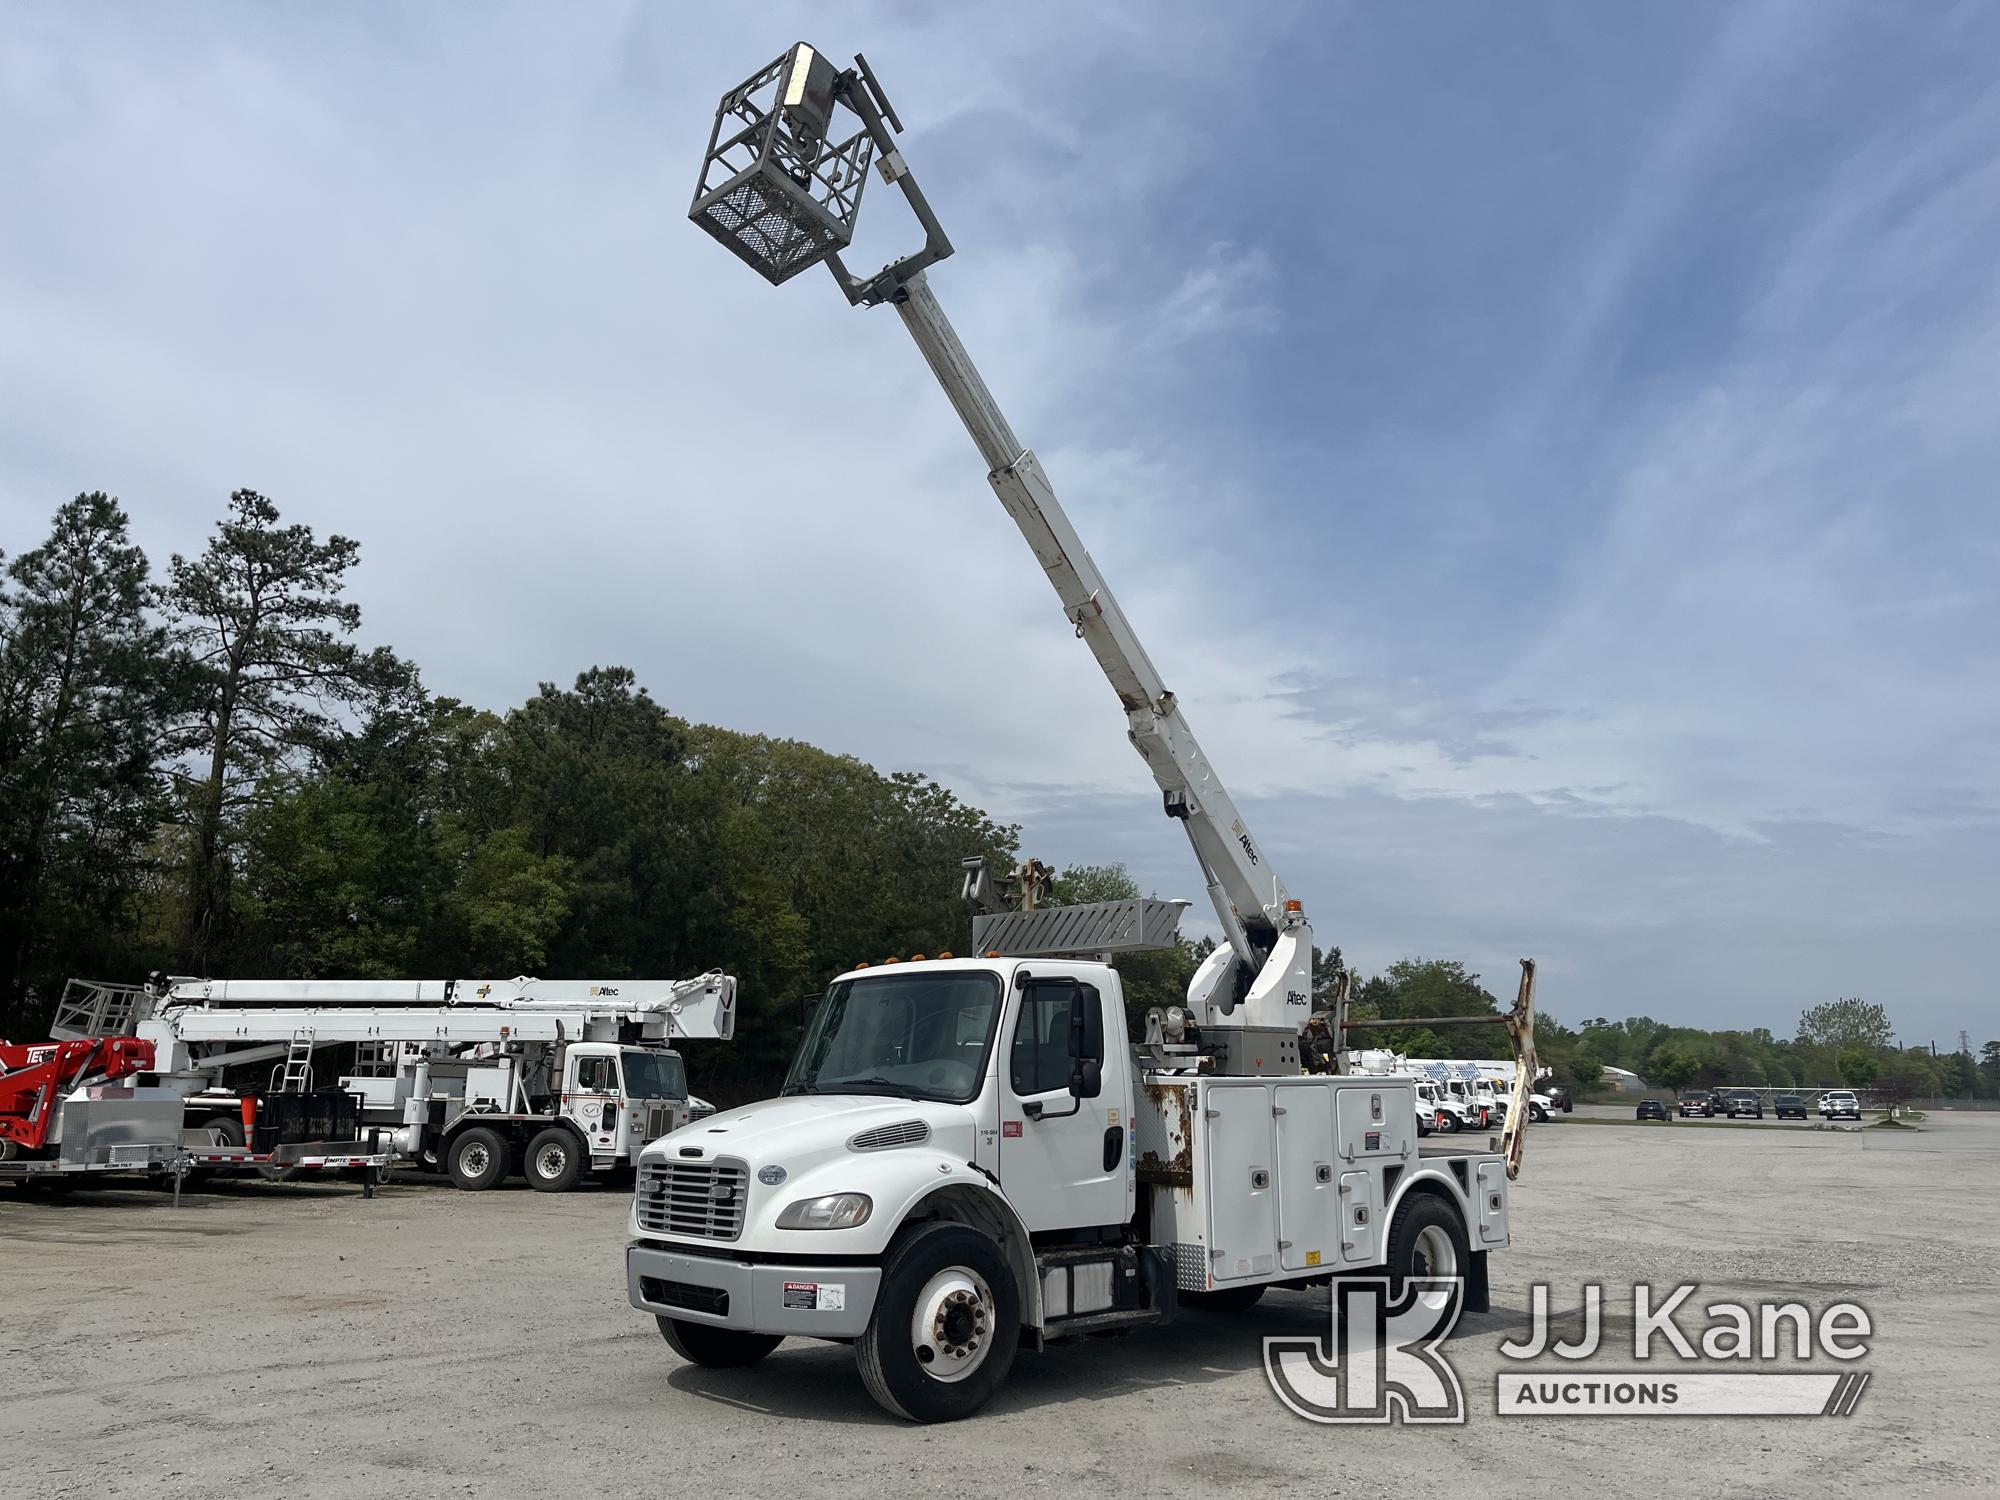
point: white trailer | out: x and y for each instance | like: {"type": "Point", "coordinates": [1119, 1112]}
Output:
{"type": "Point", "coordinates": [559, 1077]}
{"type": "Point", "coordinates": [971, 1155]}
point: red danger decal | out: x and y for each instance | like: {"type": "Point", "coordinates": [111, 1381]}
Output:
{"type": "Point", "coordinates": [1010, 1127]}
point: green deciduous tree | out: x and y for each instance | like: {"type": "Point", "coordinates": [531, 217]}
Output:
{"type": "Point", "coordinates": [1859, 1067]}
{"type": "Point", "coordinates": [1845, 1023]}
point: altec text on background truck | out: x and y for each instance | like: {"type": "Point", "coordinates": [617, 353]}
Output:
{"type": "Point", "coordinates": [970, 1155]}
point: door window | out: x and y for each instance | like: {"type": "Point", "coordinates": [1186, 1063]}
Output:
{"type": "Point", "coordinates": [1041, 1061]}
{"type": "Point", "coordinates": [595, 1075]}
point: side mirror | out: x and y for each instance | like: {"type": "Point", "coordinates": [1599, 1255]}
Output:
{"type": "Point", "coordinates": [1086, 1078]}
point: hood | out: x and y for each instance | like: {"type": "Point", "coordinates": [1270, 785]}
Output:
{"type": "Point", "coordinates": [803, 1147]}
{"type": "Point", "coordinates": [786, 1131]}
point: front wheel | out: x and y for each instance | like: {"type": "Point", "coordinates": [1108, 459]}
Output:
{"type": "Point", "coordinates": [716, 1348]}
{"type": "Point", "coordinates": [1537, 1115]}
{"type": "Point", "coordinates": [945, 1326]}
{"type": "Point", "coordinates": [555, 1160]}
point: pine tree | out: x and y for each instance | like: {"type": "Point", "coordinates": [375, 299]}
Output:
{"type": "Point", "coordinates": [260, 618]}
{"type": "Point", "coordinates": [82, 691]}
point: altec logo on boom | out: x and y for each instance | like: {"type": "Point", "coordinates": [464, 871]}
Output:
{"type": "Point", "coordinates": [1383, 1360]}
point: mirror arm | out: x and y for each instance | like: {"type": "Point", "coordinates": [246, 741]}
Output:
{"type": "Point", "coordinates": [1035, 1110]}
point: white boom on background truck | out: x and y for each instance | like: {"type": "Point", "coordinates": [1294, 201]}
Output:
{"type": "Point", "coordinates": [561, 1077]}
{"type": "Point", "coordinates": [970, 1155]}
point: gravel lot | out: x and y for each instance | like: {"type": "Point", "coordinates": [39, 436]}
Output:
{"type": "Point", "coordinates": [300, 1341]}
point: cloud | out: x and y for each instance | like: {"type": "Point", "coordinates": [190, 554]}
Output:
{"type": "Point", "coordinates": [1549, 456]}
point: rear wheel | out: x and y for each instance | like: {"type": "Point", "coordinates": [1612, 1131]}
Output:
{"type": "Point", "coordinates": [716, 1348]}
{"type": "Point", "coordinates": [477, 1159]}
{"type": "Point", "coordinates": [555, 1160]}
{"type": "Point", "coordinates": [1427, 1240]}
{"type": "Point", "coordinates": [1227, 1299]}
{"type": "Point", "coordinates": [945, 1326]}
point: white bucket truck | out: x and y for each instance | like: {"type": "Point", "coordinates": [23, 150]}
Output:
{"type": "Point", "coordinates": [971, 1155]}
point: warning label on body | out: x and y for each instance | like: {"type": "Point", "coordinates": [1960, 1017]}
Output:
{"type": "Point", "coordinates": [816, 1296]}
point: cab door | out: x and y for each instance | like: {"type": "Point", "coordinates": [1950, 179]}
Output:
{"type": "Point", "coordinates": [591, 1095]}
{"type": "Point", "coordinates": [1064, 1158]}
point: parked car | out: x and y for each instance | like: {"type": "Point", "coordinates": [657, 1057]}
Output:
{"type": "Point", "coordinates": [1839, 1104]}
{"type": "Point", "coordinates": [1791, 1106]}
{"type": "Point", "coordinates": [1654, 1109]}
{"type": "Point", "coordinates": [1718, 1102]}
{"type": "Point", "coordinates": [1697, 1102]}
{"type": "Point", "coordinates": [1745, 1104]}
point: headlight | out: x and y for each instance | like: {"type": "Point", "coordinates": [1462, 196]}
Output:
{"type": "Point", "coordinates": [836, 1211]}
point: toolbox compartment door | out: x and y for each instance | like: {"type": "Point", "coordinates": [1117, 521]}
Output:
{"type": "Point", "coordinates": [1242, 1192]}
{"type": "Point", "coordinates": [1308, 1193]}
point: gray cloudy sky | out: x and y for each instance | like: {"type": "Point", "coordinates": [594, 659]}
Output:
{"type": "Point", "coordinates": [1550, 449]}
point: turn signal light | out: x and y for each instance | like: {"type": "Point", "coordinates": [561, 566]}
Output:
{"type": "Point", "coordinates": [947, 953]}
{"type": "Point", "coordinates": [916, 958]}
{"type": "Point", "coordinates": [1294, 906]}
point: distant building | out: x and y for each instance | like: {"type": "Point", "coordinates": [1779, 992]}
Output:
{"type": "Point", "coordinates": [1624, 1081]}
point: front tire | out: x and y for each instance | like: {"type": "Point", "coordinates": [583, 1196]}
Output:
{"type": "Point", "coordinates": [945, 1327]}
{"type": "Point", "coordinates": [555, 1160]}
{"type": "Point", "coordinates": [1537, 1115]}
{"type": "Point", "coordinates": [477, 1159]}
{"type": "Point", "coordinates": [716, 1348]}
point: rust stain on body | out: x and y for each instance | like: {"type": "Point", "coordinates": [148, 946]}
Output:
{"type": "Point", "coordinates": [1171, 1102]}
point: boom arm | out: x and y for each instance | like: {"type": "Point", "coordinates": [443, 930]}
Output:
{"type": "Point", "coordinates": [1258, 915]}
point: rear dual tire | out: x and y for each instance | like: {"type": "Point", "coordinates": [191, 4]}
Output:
{"type": "Point", "coordinates": [555, 1161]}
{"type": "Point", "coordinates": [478, 1158]}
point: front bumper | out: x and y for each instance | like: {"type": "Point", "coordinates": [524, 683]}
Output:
{"type": "Point", "coordinates": [801, 1299]}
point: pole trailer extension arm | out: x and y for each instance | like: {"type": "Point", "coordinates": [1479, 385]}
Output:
{"type": "Point", "coordinates": [782, 196]}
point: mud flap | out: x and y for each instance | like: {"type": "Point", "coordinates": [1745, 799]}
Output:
{"type": "Point", "coordinates": [1478, 1297]}
{"type": "Point", "coordinates": [1156, 1273]}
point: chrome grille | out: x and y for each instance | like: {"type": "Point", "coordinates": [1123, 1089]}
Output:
{"type": "Point", "coordinates": [699, 1199]}
{"type": "Point", "coordinates": [902, 1133]}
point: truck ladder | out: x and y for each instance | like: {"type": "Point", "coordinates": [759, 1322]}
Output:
{"type": "Point", "coordinates": [298, 1071]}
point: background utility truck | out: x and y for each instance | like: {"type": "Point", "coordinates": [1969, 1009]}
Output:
{"type": "Point", "coordinates": [970, 1155]}
{"type": "Point", "coordinates": [558, 1077]}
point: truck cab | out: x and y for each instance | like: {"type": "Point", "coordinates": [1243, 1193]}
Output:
{"type": "Point", "coordinates": [969, 1155]}
{"type": "Point", "coordinates": [555, 1112]}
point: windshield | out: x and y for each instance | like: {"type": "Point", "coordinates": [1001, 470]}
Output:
{"type": "Point", "coordinates": [655, 1075]}
{"type": "Point", "coordinates": [921, 1036]}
